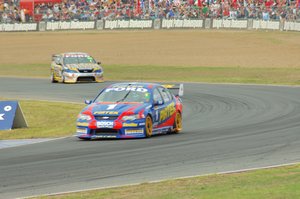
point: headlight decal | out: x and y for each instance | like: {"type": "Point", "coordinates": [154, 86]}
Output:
{"type": "Point", "coordinates": [84, 117]}
{"type": "Point", "coordinates": [131, 117]}
{"type": "Point", "coordinates": [70, 71]}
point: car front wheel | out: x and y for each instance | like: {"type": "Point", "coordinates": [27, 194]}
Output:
{"type": "Point", "coordinates": [53, 78]}
{"type": "Point", "coordinates": [148, 126]}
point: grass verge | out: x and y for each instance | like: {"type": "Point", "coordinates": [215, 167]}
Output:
{"type": "Point", "coordinates": [284, 75]}
{"type": "Point", "coordinates": [281, 182]}
{"type": "Point", "coordinates": [58, 122]}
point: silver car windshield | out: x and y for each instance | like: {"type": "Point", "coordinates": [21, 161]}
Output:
{"type": "Point", "coordinates": [123, 96]}
{"type": "Point", "coordinates": [79, 60]}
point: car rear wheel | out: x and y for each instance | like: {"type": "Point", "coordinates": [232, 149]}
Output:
{"type": "Point", "coordinates": [178, 123]}
{"type": "Point", "coordinates": [148, 126]}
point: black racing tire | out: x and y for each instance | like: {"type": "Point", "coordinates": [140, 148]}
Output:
{"type": "Point", "coordinates": [177, 127]}
{"type": "Point", "coordinates": [148, 126]}
{"type": "Point", "coordinates": [52, 78]}
{"type": "Point", "coordinates": [63, 79]}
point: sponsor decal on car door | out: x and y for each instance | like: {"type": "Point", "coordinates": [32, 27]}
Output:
{"type": "Point", "coordinates": [168, 108]}
{"type": "Point", "coordinates": [159, 105]}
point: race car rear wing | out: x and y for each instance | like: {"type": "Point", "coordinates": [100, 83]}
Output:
{"type": "Point", "coordinates": [176, 89]}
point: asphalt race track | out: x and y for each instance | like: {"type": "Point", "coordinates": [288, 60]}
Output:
{"type": "Point", "coordinates": [226, 127]}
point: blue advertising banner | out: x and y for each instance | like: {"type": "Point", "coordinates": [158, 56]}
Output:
{"type": "Point", "coordinates": [11, 115]}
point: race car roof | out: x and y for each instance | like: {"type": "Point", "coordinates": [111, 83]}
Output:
{"type": "Point", "coordinates": [177, 89]}
{"type": "Point", "coordinates": [139, 84]}
{"type": "Point", "coordinates": [74, 53]}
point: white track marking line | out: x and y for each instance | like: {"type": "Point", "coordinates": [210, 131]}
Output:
{"type": "Point", "coordinates": [157, 181]}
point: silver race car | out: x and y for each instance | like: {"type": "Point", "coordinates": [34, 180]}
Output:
{"type": "Point", "coordinates": [75, 67]}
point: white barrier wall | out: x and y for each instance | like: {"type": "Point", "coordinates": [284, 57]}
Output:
{"type": "Point", "coordinates": [73, 25]}
{"type": "Point", "coordinates": [270, 25]}
{"type": "Point", "coordinates": [179, 23]}
{"type": "Point", "coordinates": [152, 24]}
{"type": "Point", "coordinates": [18, 27]}
{"type": "Point", "coordinates": [128, 24]}
{"type": "Point", "coordinates": [220, 23]}
{"type": "Point", "coordinates": [291, 26]}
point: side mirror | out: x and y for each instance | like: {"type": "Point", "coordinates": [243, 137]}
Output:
{"type": "Point", "coordinates": [57, 62]}
{"type": "Point", "coordinates": [87, 101]}
{"type": "Point", "coordinates": [99, 63]}
{"type": "Point", "coordinates": [156, 103]}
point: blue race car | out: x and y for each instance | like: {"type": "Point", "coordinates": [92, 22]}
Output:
{"type": "Point", "coordinates": [131, 110]}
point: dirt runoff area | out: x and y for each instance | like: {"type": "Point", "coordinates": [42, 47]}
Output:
{"type": "Point", "coordinates": [209, 48]}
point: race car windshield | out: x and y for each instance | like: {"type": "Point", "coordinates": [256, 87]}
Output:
{"type": "Point", "coordinates": [123, 96]}
{"type": "Point", "coordinates": [79, 60]}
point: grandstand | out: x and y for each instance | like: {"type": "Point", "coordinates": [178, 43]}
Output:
{"type": "Point", "coordinates": [21, 11]}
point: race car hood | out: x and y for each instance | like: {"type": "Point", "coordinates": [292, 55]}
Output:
{"type": "Point", "coordinates": [115, 109]}
{"type": "Point", "coordinates": [83, 66]}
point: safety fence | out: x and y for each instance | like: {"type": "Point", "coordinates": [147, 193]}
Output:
{"type": "Point", "coordinates": [249, 24]}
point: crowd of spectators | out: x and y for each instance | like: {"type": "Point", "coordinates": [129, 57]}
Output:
{"type": "Point", "coordinates": [87, 10]}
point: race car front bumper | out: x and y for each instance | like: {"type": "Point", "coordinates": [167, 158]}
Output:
{"type": "Point", "coordinates": [126, 130]}
{"type": "Point", "coordinates": [75, 77]}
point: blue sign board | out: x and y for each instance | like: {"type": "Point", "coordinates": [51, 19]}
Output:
{"type": "Point", "coordinates": [11, 115]}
